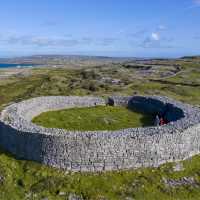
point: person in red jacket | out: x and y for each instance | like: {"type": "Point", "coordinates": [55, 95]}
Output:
{"type": "Point", "coordinates": [162, 121]}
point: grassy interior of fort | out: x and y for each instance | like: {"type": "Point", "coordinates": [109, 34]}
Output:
{"type": "Point", "coordinates": [28, 180]}
{"type": "Point", "coordinates": [94, 118]}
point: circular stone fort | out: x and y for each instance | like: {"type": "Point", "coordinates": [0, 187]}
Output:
{"type": "Point", "coordinates": [91, 151]}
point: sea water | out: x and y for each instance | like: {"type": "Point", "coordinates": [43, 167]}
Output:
{"type": "Point", "coordinates": [7, 65]}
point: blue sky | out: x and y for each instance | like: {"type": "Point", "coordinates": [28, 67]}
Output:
{"type": "Point", "coordinates": [140, 28]}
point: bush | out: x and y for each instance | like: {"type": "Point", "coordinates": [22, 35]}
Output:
{"type": "Point", "coordinates": [92, 86]}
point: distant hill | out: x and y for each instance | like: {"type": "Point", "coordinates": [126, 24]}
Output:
{"type": "Point", "coordinates": [191, 57]}
{"type": "Point", "coordinates": [58, 59]}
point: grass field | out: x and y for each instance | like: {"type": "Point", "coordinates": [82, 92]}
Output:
{"type": "Point", "coordinates": [22, 180]}
{"type": "Point", "coordinates": [25, 180]}
{"type": "Point", "coordinates": [94, 118]}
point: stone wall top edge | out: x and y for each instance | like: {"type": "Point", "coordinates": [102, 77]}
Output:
{"type": "Point", "coordinates": [179, 125]}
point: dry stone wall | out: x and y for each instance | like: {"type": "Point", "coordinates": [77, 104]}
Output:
{"type": "Point", "coordinates": [101, 150]}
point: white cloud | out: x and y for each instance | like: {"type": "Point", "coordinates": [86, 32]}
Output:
{"type": "Point", "coordinates": [162, 27]}
{"type": "Point", "coordinates": [155, 36]}
{"type": "Point", "coordinates": [196, 37]}
{"type": "Point", "coordinates": [154, 40]}
{"type": "Point", "coordinates": [197, 2]}
{"type": "Point", "coordinates": [41, 41]}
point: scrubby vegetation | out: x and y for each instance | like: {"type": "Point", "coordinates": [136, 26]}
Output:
{"type": "Point", "coordinates": [93, 118]}
{"type": "Point", "coordinates": [28, 180]}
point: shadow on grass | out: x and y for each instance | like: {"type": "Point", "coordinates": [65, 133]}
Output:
{"type": "Point", "coordinates": [2, 151]}
{"type": "Point", "coordinates": [146, 119]}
